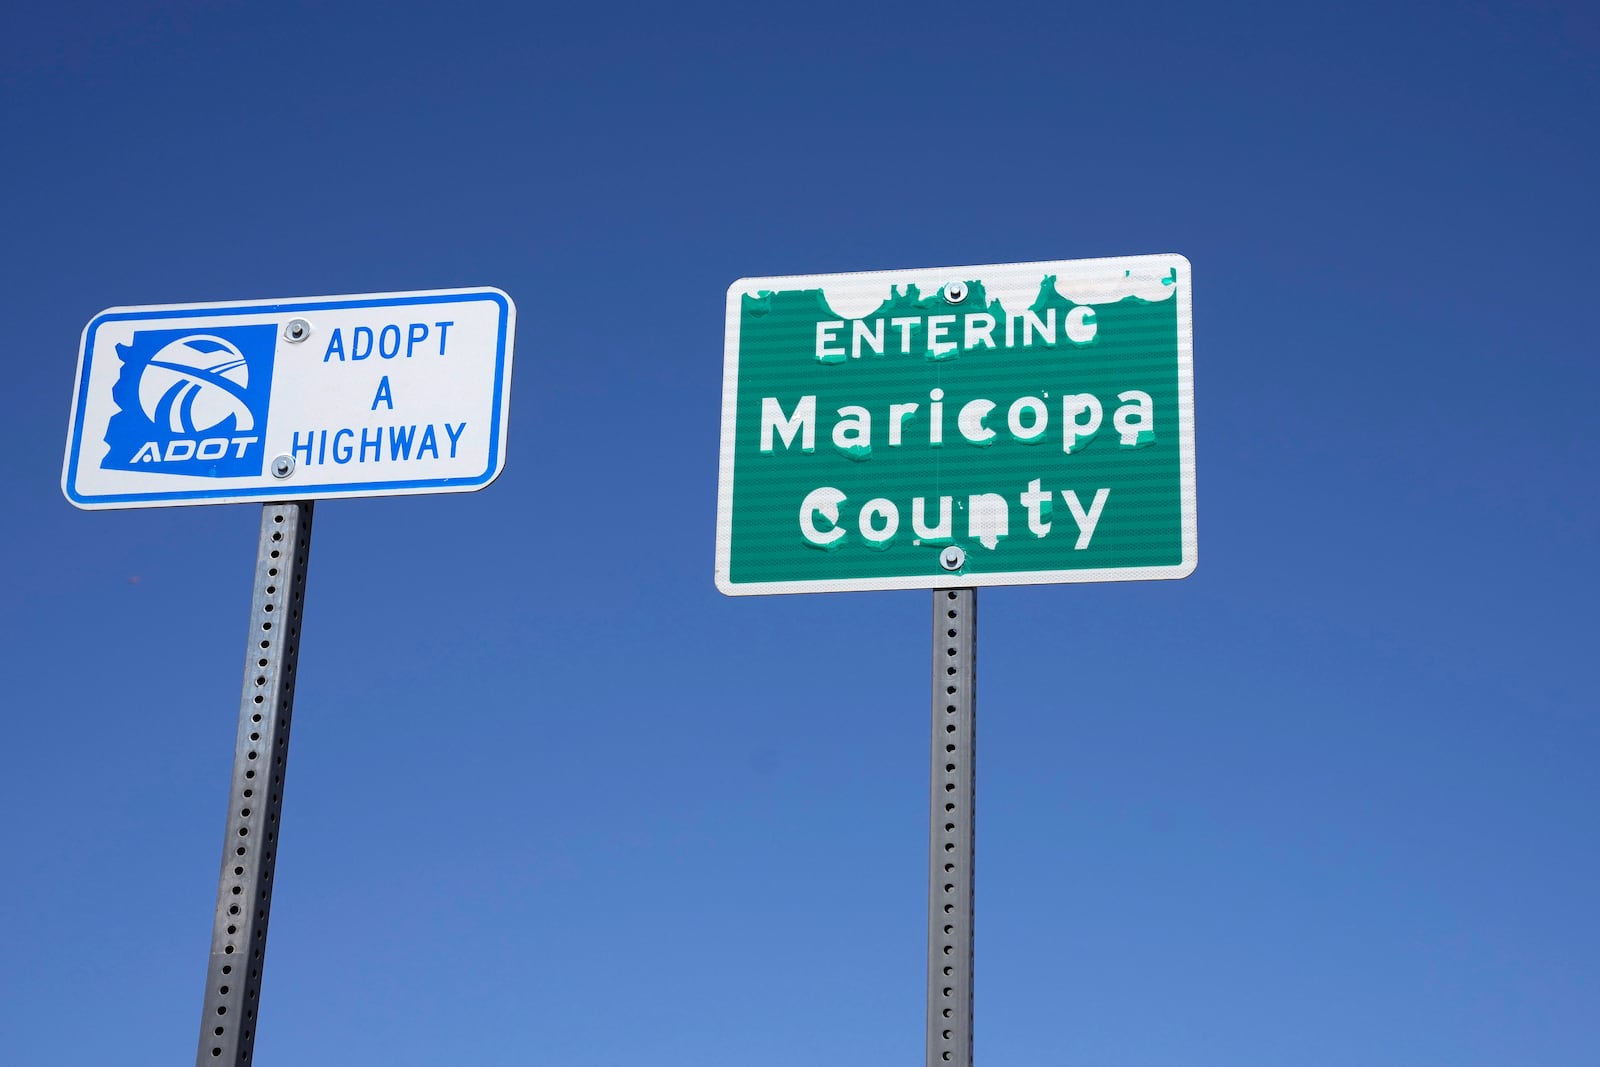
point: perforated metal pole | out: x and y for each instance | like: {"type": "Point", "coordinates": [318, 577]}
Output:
{"type": "Point", "coordinates": [230, 1018]}
{"type": "Point", "coordinates": [950, 826]}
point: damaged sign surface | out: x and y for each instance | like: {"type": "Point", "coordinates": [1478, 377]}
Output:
{"type": "Point", "coordinates": [372, 395]}
{"type": "Point", "coordinates": [958, 426]}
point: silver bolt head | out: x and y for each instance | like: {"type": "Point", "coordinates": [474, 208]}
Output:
{"type": "Point", "coordinates": [283, 466]}
{"type": "Point", "coordinates": [296, 330]}
{"type": "Point", "coordinates": [952, 558]}
{"type": "Point", "coordinates": [955, 292]}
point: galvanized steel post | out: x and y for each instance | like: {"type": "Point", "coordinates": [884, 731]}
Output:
{"type": "Point", "coordinates": [231, 1015]}
{"type": "Point", "coordinates": [950, 827]}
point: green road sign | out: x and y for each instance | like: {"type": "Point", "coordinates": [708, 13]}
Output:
{"type": "Point", "coordinates": [955, 427]}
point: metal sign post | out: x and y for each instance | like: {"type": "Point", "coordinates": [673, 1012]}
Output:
{"type": "Point", "coordinates": [283, 402]}
{"type": "Point", "coordinates": [228, 1022]}
{"type": "Point", "coordinates": [950, 428]}
{"type": "Point", "coordinates": [952, 798]}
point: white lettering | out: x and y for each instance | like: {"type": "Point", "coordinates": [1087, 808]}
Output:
{"type": "Point", "coordinates": [825, 332]}
{"type": "Point", "coordinates": [1080, 325]}
{"type": "Point", "coordinates": [979, 329]}
{"type": "Point", "coordinates": [938, 326]}
{"type": "Point", "coordinates": [970, 421]}
{"type": "Point", "coordinates": [1135, 420]}
{"type": "Point", "coordinates": [825, 502]}
{"type": "Point", "coordinates": [1086, 520]}
{"type": "Point", "coordinates": [898, 414]}
{"type": "Point", "coordinates": [1038, 422]}
{"type": "Point", "coordinates": [1031, 326]}
{"type": "Point", "coordinates": [873, 338]}
{"type": "Point", "coordinates": [1037, 501]}
{"type": "Point", "coordinates": [905, 325]}
{"type": "Point", "coordinates": [853, 432]}
{"type": "Point", "coordinates": [988, 519]}
{"type": "Point", "coordinates": [919, 519]}
{"type": "Point", "coordinates": [878, 534]}
{"type": "Point", "coordinates": [802, 421]}
{"type": "Point", "coordinates": [1073, 432]}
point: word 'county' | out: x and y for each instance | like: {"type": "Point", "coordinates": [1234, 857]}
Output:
{"type": "Point", "coordinates": [988, 517]}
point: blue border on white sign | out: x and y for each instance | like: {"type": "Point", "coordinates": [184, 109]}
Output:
{"type": "Point", "coordinates": [237, 494]}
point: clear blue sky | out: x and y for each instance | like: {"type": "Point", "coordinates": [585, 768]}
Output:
{"type": "Point", "coordinates": [555, 800]}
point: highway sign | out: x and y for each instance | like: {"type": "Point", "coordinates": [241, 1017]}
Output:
{"type": "Point", "coordinates": [372, 395]}
{"type": "Point", "coordinates": [954, 427]}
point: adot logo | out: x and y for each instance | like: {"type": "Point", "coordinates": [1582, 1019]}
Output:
{"type": "Point", "coordinates": [193, 402]}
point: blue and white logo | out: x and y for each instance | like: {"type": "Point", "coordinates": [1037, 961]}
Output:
{"type": "Point", "coordinates": [193, 402]}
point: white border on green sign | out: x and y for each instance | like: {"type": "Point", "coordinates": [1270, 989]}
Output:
{"type": "Point", "coordinates": [1099, 276]}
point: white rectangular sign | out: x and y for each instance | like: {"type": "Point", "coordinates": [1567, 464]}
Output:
{"type": "Point", "coordinates": [374, 395]}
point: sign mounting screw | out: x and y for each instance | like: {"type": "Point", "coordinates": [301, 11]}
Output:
{"type": "Point", "coordinates": [955, 292]}
{"type": "Point", "coordinates": [952, 558]}
{"type": "Point", "coordinates": [296, 331]}
{"type": "Point", "coordinates": [283, 466]}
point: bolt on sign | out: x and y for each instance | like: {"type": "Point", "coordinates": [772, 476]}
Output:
{"type": "Point", "coordinates": [958, 426]}
{"type": "Point", "coordinates": [370, 395]}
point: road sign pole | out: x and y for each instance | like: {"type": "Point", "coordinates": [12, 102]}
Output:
{"type": "Point", "coordinates": [952, 800]}
{"type": "Point", "coordinates": [255, 797]}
